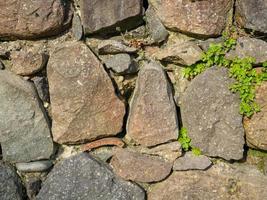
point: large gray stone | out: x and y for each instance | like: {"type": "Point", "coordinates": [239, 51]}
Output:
{"type": "Point", "coordinates": [201, 18]}
{"type": "Point", "coordinates": [24, 130]}
{"type": "Point", "coordinates": [249, 47]}
{"type": "Point", "coordinates": [152, 119]}
{"type": "Point", "coordinates": [83, 177]}
{"type": "Point", "coordinates": [252, 14]}
{"type": "Point", "coordinates": [84, 103]}
{"type": "Point", "coordinates": [210, 112]}
{"type": "Point", "coordinates": [33, 19]}
{"type": "Point", "coordinates": [106, 16]}
{"type": "Point", "coordinates": [220, 182]}
{"type": "Point", "coordinates": [11, 187]}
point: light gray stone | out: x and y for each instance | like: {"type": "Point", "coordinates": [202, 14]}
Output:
{"type": "Point", "coordinates": [24, 130]}
{"type": "Point", "coordinates": [210, 113]}
{"type": "Point", "coordinates": [114, 47]}
{"type": "Point", "coordinates": [121, 64]}
{"type": "Point", "coordinates": [37, 166]}
{"type": "Point", "coordinates": [190, 161]}
{"type": "Point", "coordinates": [77, 28]}
{"type": "Point", "coordinates": [83, 177]}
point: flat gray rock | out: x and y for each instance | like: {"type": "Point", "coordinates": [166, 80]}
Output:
{"type": "Point", "coordinates": [220, 182]}
{"type": "Point", "coordinates": [24, 130]}
{"type": "Point", "coordinates": [249, 47]}
{"type": "Point", "coordinates": [252, 14]}
{"type": "Point", "coordinates": [152, 119]}
{"type": "Point", "coordinates": [121, 64]}
{"type": "Point", "coordinates": [11, 187]}
{"type": "Point", "coordinates": [77, 28]}
{"type": "Point", "coordinates": [106, 16]}
{"type": "Point", "coordinates": [210, 113]}
{"type": "Point", "coordinates": [37, 166]}
{"type": "Point", "coordinates": [83, 177]}
{"type": "Point", "coordinates": [114, 47]}
{"type": "Point", "coordinates": [190, 161]}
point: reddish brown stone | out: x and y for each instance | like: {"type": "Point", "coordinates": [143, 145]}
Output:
{"type": "Point", "coordinates": [139, 167]}
{"type": "Point", "coordinates": [84, 104]}
{"type": "Point", "coordinates": [207, 18]}
{"type": "Point", "coordinates": [103, 142]}
{"type": "Point", "coordinates": [256, 127]}
{"type": "Point", "coordinates": [27, 63]}
{"type": "Point", "coordinates": [33, 19]}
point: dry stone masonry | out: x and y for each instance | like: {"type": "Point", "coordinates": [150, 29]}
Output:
{"type": "Point", "coordinates": [95, 103]}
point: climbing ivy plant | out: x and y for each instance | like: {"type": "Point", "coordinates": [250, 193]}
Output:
{"type": "Point", "coordinates": [246, 77]}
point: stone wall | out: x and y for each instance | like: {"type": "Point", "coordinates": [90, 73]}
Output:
{"type": "Point", "coordinates": [92, 98]}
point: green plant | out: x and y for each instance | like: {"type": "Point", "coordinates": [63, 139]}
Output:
{"type": "Point", "coordinates": [185, 141]}
{"type": "Point", "coordinates": [246, 77]}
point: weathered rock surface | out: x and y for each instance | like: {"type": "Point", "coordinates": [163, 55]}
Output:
{"type": "Point", "coordinates": [33, 186]}
{"type": "Point", "coordinates": [169, 151]}
{"type": "Point", "coordinates": [252, 14]}
{"type": "Point", "coordinates": [152, 119]}
{"type": "Point", "coordinates": [33, 19]}
{"type": "Point", "coordinates": [77, 28]}
{"type": "Point", "coordinates": [190, 161]}
{"type": "Point", "coordinates": [11, 187]}
{"type": "Point", "coordinates": [112, 141]}
{"type": "Point", "coordinates": [27, 62]}
{"type": "Point", "coordinates": [84, 104]}
{"type": "Point", "coordinates": [139, 167]}
{"type": "Point", "coordinates": [83, 177]}
{"type": "Point", "coordinates": [220, 182]}
{"type": "Point", "coordinates": [249, 47]}
{"type": "Point", "coordinates": [256, 127]}
{"type": "Point", "coordinates": [41, 85]}
{"type": "Point", "coordinates": [204, 18]}
{"type": "Point", "coordinates": [121, 64]}
{"type": "Point", "coordinates": [24, 131]}
{"type": "Point", "coordinates": [37, 166]}
{"type": "Point", "coordinates": [100, 15]}
{"type": "Point", "coordinates": [210, 112]}
{"type": "Point", "coordinates": [185, 53]}
{"type": "Point", "coordinates": [157, 31]}
{"type": "Point", "coordinates": [114, 47]}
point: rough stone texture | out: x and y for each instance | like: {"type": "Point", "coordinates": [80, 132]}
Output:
{"type": "Point", "coordinates": [37, 166]}
{"type": "Point", "coordinates": [84, 104]}
{"type": "Point", "coordinates": [41, 85]}
{"type": "Point", "coordinates": [249, 47]}
{"type": "Point", "coordinates": [2, 66]}
{"type": "Point", "coordinates": [139, 167]}
{"type": "Point", "coordinates": [256, 127]}
{"type": "Point", "coordinates": [103, 153]}
{"type": "Point", "coordinates": [11, 187]}
{"type": "Point", "coordinates": [121, 64]}
{"type": "Point", "coordinates": [252, 14]}
{"type": "Point", "coordinates": [83, 177]}
{"type": "Point", "coordinates": [169, 151]}
{"type": "Point", "coordinates": [220, 182]}
{"type": "Point", "coordinates": [100, 15]}
{"type": "Point", "coordinates": [103, 142]}
{"type": "Point", "coordinates": [152, 119]}
{"type": "Point", "coordinates": [33, 19]}
{"type": "Point", "coordinates": [157, 31]}
{"type": "Point", "coordinates": [24, 131]}
{"type": "Point", "coordinates": [190, 161]}
{"type": "Point", "coordinates": [210, 112]}
{"type": "Point", "coordinates": [204, 18]}
{"type": "Point", "coordinates": [114, 47]}
{"type": "Point", "coordinates": [33, 186]}
{"type": "Point", "coordinates": [185, 53]}
{"type": "Point", "coordinates": [27, 62]}
{"type": "Point", "coordinates": [77, 28]}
